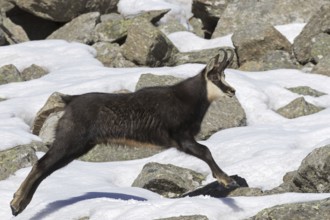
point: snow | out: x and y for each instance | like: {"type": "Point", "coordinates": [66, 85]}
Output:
{"type": "Point", "coordinates": [261, 152]}
{"type": "Point", "coordinates": [179, 9]}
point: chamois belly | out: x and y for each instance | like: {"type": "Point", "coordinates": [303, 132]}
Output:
{"type": "Point", "coordinates": [134, 127]}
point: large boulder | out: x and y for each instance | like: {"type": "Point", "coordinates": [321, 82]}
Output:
{"type": "Point", "coordinates": [80, 29]}
{"type": "Point", "coordinates": [315, 210]}
{"type": "Point", "coordinates": [54, 104]}
{"type": "Point", "coordinates": [320, 47]}
{"type": "Point", "coordinates": [13, 33]}
{"type": "Point", "coordinates": [6, 5]}
{"type": "Point", "coordinates": [16, 158]}
{"type": "Point", "coordinates": [64, 11]}
{"type": "Point", "coordinates": [113, 27]}
{"type": "Point", "coordinates": [48, 128]}
{"type": "Point", "coordinates": [201, 56]}
{"type": "Point", "coordinates": [306, 90]}
{"type": "Point", "coordinates": [110, 54]}
{"type": "Point", "coordinates": [276, 12]}
{"type": "Point", "coordinates": [223, 113]}
{"type": "Point", "coordinates": [275, 59]}
{"type": "Point", "coordinates": [33, 72]}
{"type": "Point", "coordinates": [35, 27]}
{"type": "Point", "coordinates": [146, 45]}
{"type": "Point", "coordinates": [172, 26]}
{"type": "Point", "coordinates": [313, 175]}
{"type": "Point", "coordinates": [209, 11]}
{"type": "Point", "coordinates": [323, 66]}
{"type": "Point", "coordinates": [186, 217]}
{"type": "Point", "coordinates": [297, 108]}
{"type": "Point", "coordinates": [167, 180]}
{"type": "Point", "coordinates": [9, 73]}
{"type": "Point", "coordinates": [256, 40]}
{"type": "Point", "coordinates": [2, 37]}
{"type": "Point", "coordinates": [119, 152]}
{"type": "Point", "coordinates": [310, 35]}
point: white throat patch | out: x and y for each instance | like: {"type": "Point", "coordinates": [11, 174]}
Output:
{"type": "Point", "coordinates": [213, 91]}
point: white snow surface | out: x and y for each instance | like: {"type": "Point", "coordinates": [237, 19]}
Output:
{"type": "Point", "coordinates": [261, 152]}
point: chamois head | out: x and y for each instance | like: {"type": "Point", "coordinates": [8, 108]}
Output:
{"type": "Point", "coordinates": [215, 76]}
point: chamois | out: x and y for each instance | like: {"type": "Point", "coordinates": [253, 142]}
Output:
{"type": "Point", "coordinates": [167, 116]}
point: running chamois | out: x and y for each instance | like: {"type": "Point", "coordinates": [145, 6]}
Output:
{"type": "Point", "coordinates": [167, 116]}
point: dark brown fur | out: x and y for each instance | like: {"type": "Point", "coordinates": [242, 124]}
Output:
{"type": "Point", "coordinates": [163, 116]}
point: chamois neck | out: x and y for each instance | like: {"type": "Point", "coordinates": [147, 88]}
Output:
{"type": "Point", "coordinates": [192, 89]}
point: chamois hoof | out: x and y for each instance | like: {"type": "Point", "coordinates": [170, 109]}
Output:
{"type": "Point", "coordinates": [228, 183]}
{"type": "Point", "coordinates": [16, 207]}
{"type": "Point", "coordinates": [14, 210]}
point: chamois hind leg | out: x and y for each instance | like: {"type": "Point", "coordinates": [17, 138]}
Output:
{"type": "Point", "coordinates": [59, 155]}
{"type": "Point", "coordinates": [190, 146]}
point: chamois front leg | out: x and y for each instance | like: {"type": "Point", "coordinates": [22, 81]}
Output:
{"type": "Point", "coordinates": [190, 146]}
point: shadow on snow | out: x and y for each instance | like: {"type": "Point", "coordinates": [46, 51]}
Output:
{"type": "Point", "coordinates": [54, 206]}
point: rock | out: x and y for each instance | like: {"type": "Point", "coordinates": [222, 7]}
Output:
{"type": "Point", "coordinates": [323, 66]}
{"type": "Point", "coordinates": [146, 45]}
{"type": "Point", "coordinates": [35, 27]}
{"type": "Point", "coordinates": [187, 217]}
{"type": "Point", "coordinates": [306, 90]}
{"type": "Point", "coordinates": [153, 16]}
{"type": "Point", "coordinates": [276, 59]}
{"type": "Point", "coordinates": [216, 190]}
{"type": "Point", "coordinates": [15, 159]}
{"type": "Point", "coordinates": [223, 113]}
{"type": "Point", "coordinates": [111, 55]}
{"type": "Point", "coordinates": [2, 38]}
{"type": "Point", "coordinates": [171, 26]}
{"type": "Point", "coordinates": [117, 152]}
{"type": "Point", "coordinates": [9, 73]}
{"type": "Point", "coordinates": [13, 33]}
{"type": "Point", "coordinates": [276, 12]}
{"type": "Point", "coordinates": [6, 5]}
{"type": "Point", "coordinates": [316, 210]}
{"type": "Point", "coordinates": [284, 187]}
{"type": "Point", "coordinates": [114, 28]}
{"type": "Point", "coordinates": [64, 11]}
{"type": "Point", "coordinates": [313, 175]}
{"type": "Point", "coordinates": [201, 56]}
{"type": "Point", "coordinates": [319, 23]}
{"type": "Point", "coordinates": [33, 72]}
{"type": "Point", "coordinates": [320, 47]}
{"type": "Point", "coordinates": [255, 40]}
{"type": "Point", "coordinates": [52, 105]}
{"type": "Point", "coordinates": [79, 29]}
{"type": "Point", "coordinates": [48, 128]}
{"type": "Point", "coordinates": [246, 191]}
{"type": "Point", "coordinates": [196, 26]}
{"type": "Point", "coordinates": [209, 11]}
{"type": "Point", "coordinates": [297, 108]}
{"type": "Point", "coordinates": [149, 80]}
{"type": "Point", "coordinates": [167, 180]}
